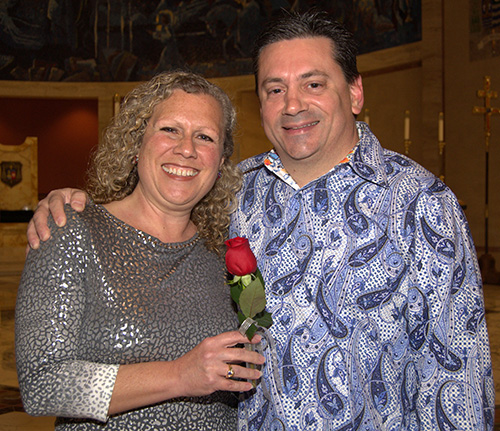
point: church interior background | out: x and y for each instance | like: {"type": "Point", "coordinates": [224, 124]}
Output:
{"type": "Point", "coordinates": [431, 74]}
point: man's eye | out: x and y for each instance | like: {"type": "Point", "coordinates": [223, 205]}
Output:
{"type": "Point", "coordinates": [275, 91]}
{"type": "Point", "coordinates": [315, 85]}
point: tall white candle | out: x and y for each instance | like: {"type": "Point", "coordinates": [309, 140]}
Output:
{"type": "Point", "coordinates": [441, 127]}
{"type": "Point", "coordinates": [407, 125]}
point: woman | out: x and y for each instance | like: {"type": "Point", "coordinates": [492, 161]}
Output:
{"type": "Point", "coordinates": [118, 313]}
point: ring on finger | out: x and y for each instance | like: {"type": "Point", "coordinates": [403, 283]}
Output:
{"type": "Point", "coordinates": [230, 371]}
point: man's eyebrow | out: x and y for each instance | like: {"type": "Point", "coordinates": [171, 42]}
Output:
{"type": "Point", "coordinates": [313, 73]}
{"type": "Point", "coordinates": [306, 75]}
{"type": "Point", "coordinates": [272, 81]}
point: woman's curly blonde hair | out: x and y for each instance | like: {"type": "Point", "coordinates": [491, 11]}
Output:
{"type": "Point", "coordinates": [113, 172]}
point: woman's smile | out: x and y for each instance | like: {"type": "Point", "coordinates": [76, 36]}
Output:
{"type": "Point", "coordinates": [180, 171]}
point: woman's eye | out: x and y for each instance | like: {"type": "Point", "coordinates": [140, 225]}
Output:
{"type": "Point", "coordinates": [206, 138]}
{"type": "Point", "coordinates": [168, 129]}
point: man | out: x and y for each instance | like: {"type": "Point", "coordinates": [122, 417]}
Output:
{"type": "Point", "coordinates": [370, 269]}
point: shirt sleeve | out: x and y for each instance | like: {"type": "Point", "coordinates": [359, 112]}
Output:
{"type": "Point", "coordinates": [446, 317]}
{"type": "Point", "coordinates": [54, 378]}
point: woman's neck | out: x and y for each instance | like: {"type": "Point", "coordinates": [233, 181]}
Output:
{"type": "Point", "coordinates": [168, 227]}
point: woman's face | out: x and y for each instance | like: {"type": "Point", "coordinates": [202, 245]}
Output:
{"type": "Point", "coordinates": [181, 151]}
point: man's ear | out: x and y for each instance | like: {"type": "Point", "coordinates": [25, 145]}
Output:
{"type": "Point", "coordinates": [357, 95]}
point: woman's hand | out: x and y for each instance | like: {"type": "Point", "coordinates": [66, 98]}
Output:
{"type": "Point", "coordinates": [204, 369]}
{"type": "Point", "coordinates": [53, 203]}
{"type": "Point", "coordinates": [201, 371]}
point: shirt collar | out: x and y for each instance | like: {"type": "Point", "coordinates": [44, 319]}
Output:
{"type": "Point", "coordinates": [273, 163]}
{"type": "Point", "coordinates": [368, 160]}
{"type": "Point", "coordinates": [365, 158]}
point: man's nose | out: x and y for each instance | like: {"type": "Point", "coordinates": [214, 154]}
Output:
{"type": "Point", "coordinates": [294, 102]}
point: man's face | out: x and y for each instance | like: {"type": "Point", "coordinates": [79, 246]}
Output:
{"type": "Point", "coordinates": [307, 106]}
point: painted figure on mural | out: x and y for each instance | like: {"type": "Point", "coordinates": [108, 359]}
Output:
{"type": "Point", "coordinates": [170, 56]}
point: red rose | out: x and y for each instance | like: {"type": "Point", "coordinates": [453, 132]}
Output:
{"type": "Point", "coordinates": [239, 258]}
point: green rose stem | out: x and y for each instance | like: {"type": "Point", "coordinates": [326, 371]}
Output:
{"type": "Point", "coordinates": [248, 292]}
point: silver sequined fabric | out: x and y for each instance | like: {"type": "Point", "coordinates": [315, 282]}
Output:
{"type": "Point", "coordinates": [100, 293]}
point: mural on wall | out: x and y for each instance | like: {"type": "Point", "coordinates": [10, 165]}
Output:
{"type": "Point", "coordinates": [484, 29]}
{"type": "Point", "coordinates": [131, 40]}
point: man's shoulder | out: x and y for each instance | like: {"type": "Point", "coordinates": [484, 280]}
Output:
{"type": "Point", "coordinates": [252, 163]}
{"type": "Point", "coordinates": [408, 175]}
{"type": "Point", "coordinates": [406, 165]}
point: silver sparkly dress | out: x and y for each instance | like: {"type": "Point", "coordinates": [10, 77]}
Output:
{"type": "Point", "coordinates": [100, 293]}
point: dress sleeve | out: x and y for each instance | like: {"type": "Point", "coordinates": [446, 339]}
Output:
{"type": "Point", "coordinates": [53, 377]}
{"type": "Point", "coordinates": [447, 325]}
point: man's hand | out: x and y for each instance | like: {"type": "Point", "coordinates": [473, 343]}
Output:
{"type": "Point", "coordinates": [53, 203]}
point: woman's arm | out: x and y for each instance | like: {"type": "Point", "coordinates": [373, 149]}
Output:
{"type": "Point", "coordinates": [199, 372]}
{"type": "Point", "coordinates": [54, 379]}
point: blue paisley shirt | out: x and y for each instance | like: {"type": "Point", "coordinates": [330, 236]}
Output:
{"type": "Point", "coordinates": [376, 295]}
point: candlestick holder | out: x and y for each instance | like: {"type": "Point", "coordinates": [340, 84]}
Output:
{"type": "Point", "coordinates": [407, 143]}
{"type": "Point", "coordinates": [442, 146]}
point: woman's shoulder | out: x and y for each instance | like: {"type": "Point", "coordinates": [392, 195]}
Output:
{"type": "Point", "coordinates": [74, 217]}
{"type": "Point", "coordinates": [76, 221]}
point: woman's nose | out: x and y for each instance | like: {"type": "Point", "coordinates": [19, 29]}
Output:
{"type": "Point", "coordinates": [186, 147]}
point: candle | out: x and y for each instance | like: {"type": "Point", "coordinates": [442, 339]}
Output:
{"type": "Point", "coordinates": [367, 116]}
{"type": "Point", "coordinates": [441, 127]}
{"type": "Point", "coordinates": [407, 125]}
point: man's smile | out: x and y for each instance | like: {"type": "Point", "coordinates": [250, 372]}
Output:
{"type": "Point", "coordinates": [301, 127]}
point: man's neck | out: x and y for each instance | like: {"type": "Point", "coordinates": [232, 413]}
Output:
{"type": "Point", "coordinates": [303, 171]}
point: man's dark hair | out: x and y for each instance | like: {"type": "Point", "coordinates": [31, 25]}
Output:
{"type": "Point", "coordinates": [313, 23]}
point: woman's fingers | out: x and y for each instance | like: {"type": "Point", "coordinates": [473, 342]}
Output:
{"type": "Point", "coordinates": [205, 368]}
{"type": "Point", "coordinates": [241, 372]}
